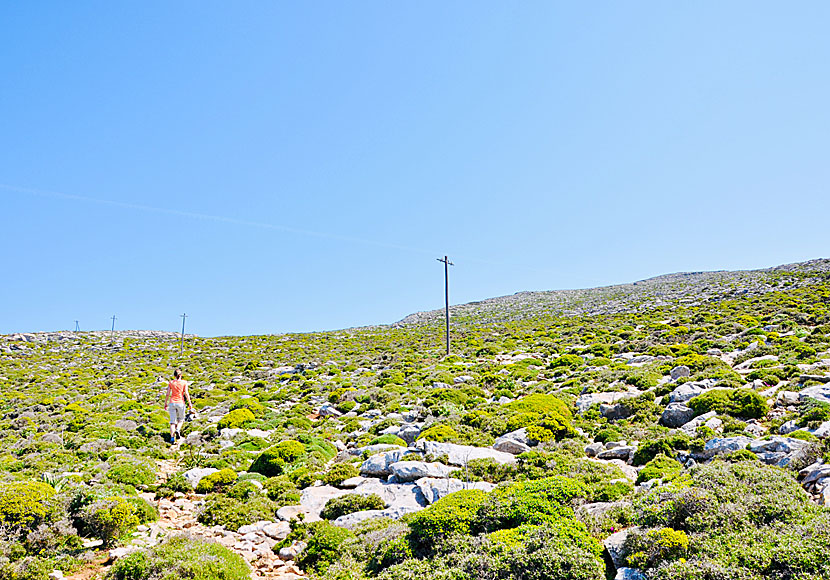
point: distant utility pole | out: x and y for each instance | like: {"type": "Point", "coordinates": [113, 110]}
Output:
{"type": "Point", "coordinates": [181, 348]}
{"type": "Point", "coordinates": [447, 264]}
{"type": "Point", "coordinates": [112, 332]}
{"type": "Point", "coordinates": [77, 328]}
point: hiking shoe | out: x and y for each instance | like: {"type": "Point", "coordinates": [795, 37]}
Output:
{"type": "Point", "coordinates": [172, 441]}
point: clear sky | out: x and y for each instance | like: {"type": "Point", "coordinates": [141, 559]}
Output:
{"type": "Point", "coordinates": [291, 166]}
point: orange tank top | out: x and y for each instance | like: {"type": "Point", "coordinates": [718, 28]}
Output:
{"type": "Point", "coordinates": [177, 391]}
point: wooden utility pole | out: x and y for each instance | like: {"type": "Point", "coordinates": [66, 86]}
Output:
{"type": "Point", "coordinates": [77, 328]}
{"type": "Point", "coordinates": [447, 264]}
{"type": "Point", "coordinates": [181, 348]}
{"type": "Point", "coordinates": [112, 332]}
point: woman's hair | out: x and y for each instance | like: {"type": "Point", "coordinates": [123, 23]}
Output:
{"type": "Point", "coordinates": [177, 373]}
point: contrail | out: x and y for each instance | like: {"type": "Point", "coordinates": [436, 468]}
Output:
{"type": "Point", "coordinates": [210, 217]}
{"type": "Point", "coordinates": [261, 225]}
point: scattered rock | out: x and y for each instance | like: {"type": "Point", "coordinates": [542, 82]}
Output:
{"type": "Point", "coordinates": [676, 415]}
{"type": "Point", "coordinates": [515, 442]}
{"type": "Point", "coordinates": [462, 454]}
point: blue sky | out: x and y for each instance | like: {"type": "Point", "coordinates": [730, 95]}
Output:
{"type": "Point", "coordinates": [293, 166]}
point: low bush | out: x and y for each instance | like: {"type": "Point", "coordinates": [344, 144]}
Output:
{"type": "Point", "coordinates": [109, 519]}
{"type": "Point", "coordinates": [453, 514]}
{"type": "Point", "coordinates": [218, 481]}
{"type": "Point", "coordinates": [661, 467]}
{"type": "Point", "coordinates": [236, 419]}
{"type": "Point", "coordinates": [268, 463]}
{"type": "Point", "coordinates": [231, 513]}
{"type": "Point", "coordinates": [282, 491]}
{"type": "Point", "coordinates": [339, 473]}
{"type": "Point", "coordinates": [181, 557]}
{"type": "Point", "coordinates": [440, 433]}
{"type": "Point", "coordinates": [735, 402]}
{"type": "Point", "coordinates": [648, 549]}
{"type": "Point", "coordinates": [349, 504]}
{"type": "Point", "coordinates": [250, 403]}
{"type": "Point", "coordinates": [24, 504]}
{"type": "Point", "coordinates": [324, 546]}
{"type": "Point", "coordinates": [529, 502]}
{"type": "Point", "coordinates": [135, 473]}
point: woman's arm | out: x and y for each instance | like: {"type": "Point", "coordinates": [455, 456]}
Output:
{"type": "Point", "coordinates": [187, 395]}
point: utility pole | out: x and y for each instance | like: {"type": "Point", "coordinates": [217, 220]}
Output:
{"type": "Point", "coordinates": [447, 264]}
{"type": "Point", "coordinates": [181, 348]}
{"type": "Point", "coordinates": [112, 332]}
{"type": "Point", "coordinates": [77, 328]}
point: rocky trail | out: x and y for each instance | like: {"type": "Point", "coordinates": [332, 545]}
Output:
{"type": "Point", "coordinates": [178, 516]}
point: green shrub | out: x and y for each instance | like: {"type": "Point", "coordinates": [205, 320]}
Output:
{"type": "Point", "coordinates": [542, 404]}
{"type": "Point", "coordinates": [570, 361]}
{"type": "Point", "coordinates": [648, 450]}
{"type": "Point", "coordinates": [282, 491]}
{"type": "Point", "coordinates": [529, 502]}
{"type": "Point", "coordinates": [250, 403]}
{"type": "Point", "coordinates": [803, 435]}
{"type": "Point", "coordinates": [661, 467]}
{"type": "Point", "coordinates": [231, 513]}
{"type": "Point", "coordinates": [736, 402]}
{"type": "Point", "coordinates": [133, 473]}
{"type": "Point", "coordinates": [648, 549]}
{"type": "Point", "coordinates": [268, 463]}
{"type": "Point", "coordinates": [388, 440]}
{"type": "Point", "coordinates": [485, 469]}
{"type": "Point", "coordinates": [289, 450]}
{"type": "Point", "coordinates": [350, 503]}
{"type": "Point", "coordinates": [324, 546]}
{"type": "Point", "coordinates": [109, 519]}
{"type": "Point", "coordinates": [453, 514]}
{"type": "Point", "coordinates": [244, 489]}
{"type": "Point", "coordinates": [181, 557]}
{"type": "Point", "coordinates": [24, 504]}
{"type": "Point", "coordinates": [439, 433]}
{"type": "Point", "coordinates": [236, 419]}
{"type": "Point", "coordinates": [218, 481]}
{"type": "Point", "coordinates": [339, 472]}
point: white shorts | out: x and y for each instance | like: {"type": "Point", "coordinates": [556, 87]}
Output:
{"type": "Point", "coordinates": [176, 411]}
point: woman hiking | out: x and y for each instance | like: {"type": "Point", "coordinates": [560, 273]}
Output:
{"type": "Point", "coordinates": [177, 393]}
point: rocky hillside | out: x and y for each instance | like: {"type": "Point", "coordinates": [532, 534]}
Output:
{"type": "Point", "coordinates": [675, 428]}
{"type": "Point", "coordinates": [688, 288]}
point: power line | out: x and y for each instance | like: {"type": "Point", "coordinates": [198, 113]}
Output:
{"type": "Point", "coordinates": [447, 264]}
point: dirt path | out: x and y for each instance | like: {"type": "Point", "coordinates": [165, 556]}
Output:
{"type": "Point", "coordinates": [177, 515]}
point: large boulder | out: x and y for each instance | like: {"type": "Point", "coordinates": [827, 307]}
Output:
{"type": "Point", "coordinates": [686, 392]}
{"type": "Point", "coordinates": [615, 544]}
{"type": "Point", "coordinates": [680, 371]}
{"type": "Point", "coordinates": [583, 402]}
{"type": "Point", "coordinates": [725, 445]}
{"type": "Point", "coordinates": [676, 415]}
{"type": "Point", "coordinates": [691, 427]}
{"type": "Point", "coordinates": [411, 470]}
{"type": "Point", "coordinates": [462, 454]}
{"type": "Point", "coordinates": [817, 392]}
{"type": "Point", "coordinates": [434, 489]}
{"type": "Point", "coordinates": [515, 442]}
{"type": "Point", "coordinates": [379, 465]}
{"type": "Point", "coordinates": [353, 519]}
